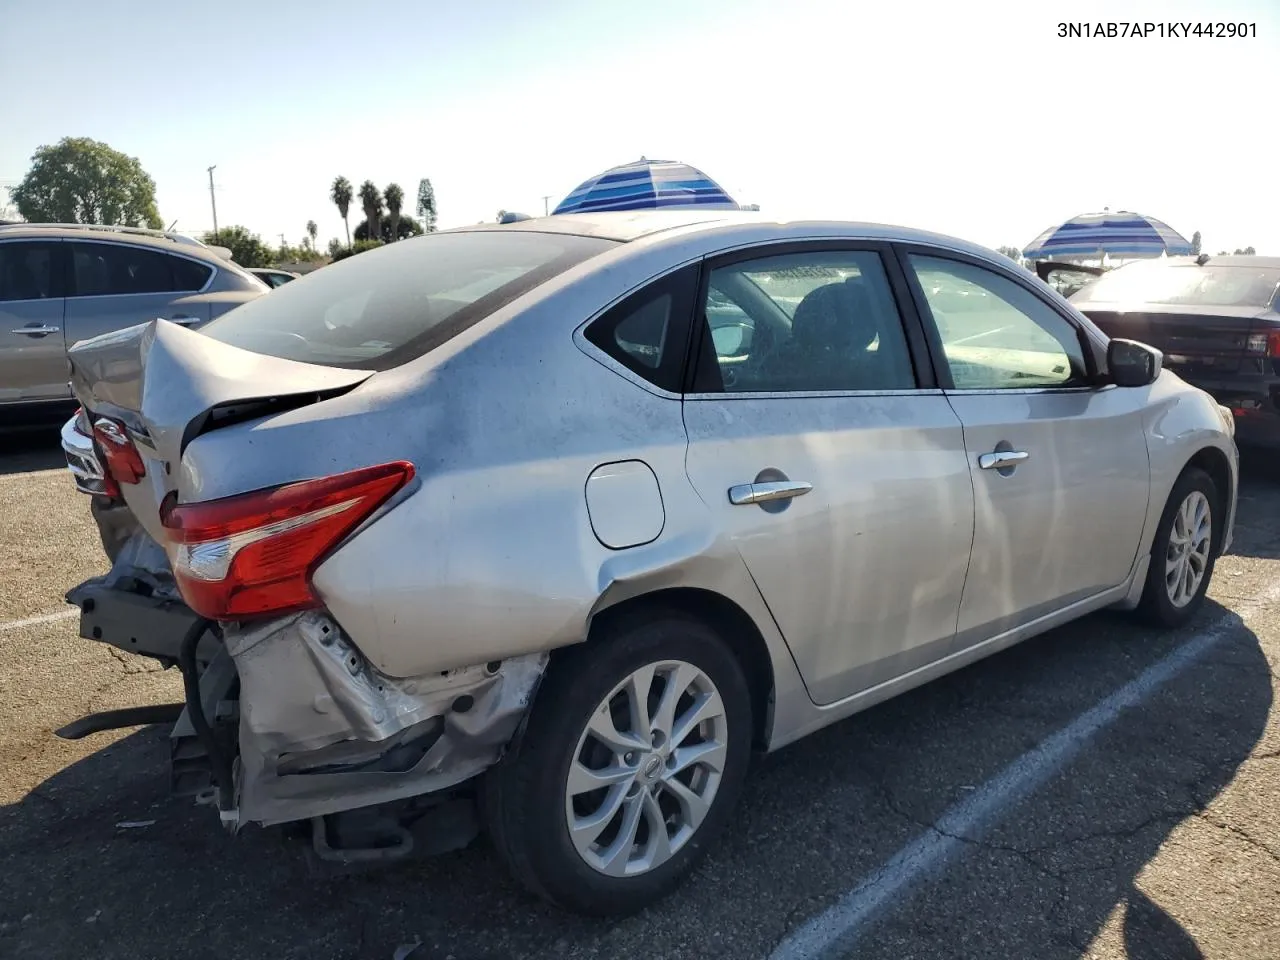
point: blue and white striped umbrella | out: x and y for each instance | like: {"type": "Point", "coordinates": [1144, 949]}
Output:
{"type": "Point", "coordinates": [646, 184]}
{"type": "Point", "coordinates": [1120, 234]}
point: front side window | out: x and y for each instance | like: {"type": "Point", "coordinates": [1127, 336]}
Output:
{"type": "Point", "coordinates": [27, 271]}
{"type": "Point", "coordinates": [995, 333]}
{"type": "Point", "coordinates": [112, 269]}
{"type": "Point", "coordinates": [821, 321]}
{"type": "Point", "coordinates": [385, 307]}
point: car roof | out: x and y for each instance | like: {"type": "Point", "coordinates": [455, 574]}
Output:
{"type": "Point", "coordinates": [621, 225]}
{"type": "Point", "coordinates": [642, 224]}
{"type": "Point", "coordinates": [106, 235]}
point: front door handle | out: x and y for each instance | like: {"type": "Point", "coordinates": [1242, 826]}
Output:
{"type": "Point", "coordinates": [183, 320]}
{"type": "Point", "coordinates": [744, 494]}
{"type": "Point", "coordinates": [35, 331]}
{"type": "Point", "coordinates": [1002, 459]}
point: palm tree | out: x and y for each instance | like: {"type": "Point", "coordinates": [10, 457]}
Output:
{"type": "Point", "coordinates": [395, 200]}
{"type": "Point", "coordinates": [371, 200]}
{"type": "Point", "coordinates": [312, 230]}
{"type": "Point", "coordinates": [340, 194]}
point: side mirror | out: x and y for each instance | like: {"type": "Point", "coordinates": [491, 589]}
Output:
{"type": "Point", "coordinates": [1133, 364]}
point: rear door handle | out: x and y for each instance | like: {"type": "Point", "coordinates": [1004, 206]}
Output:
{"type": "Point", "coordinates": [744, 494]}
{"type": "Point", "coordinates": [1002, 459]}
{"type": "Point", "coordinates": [35, 331]}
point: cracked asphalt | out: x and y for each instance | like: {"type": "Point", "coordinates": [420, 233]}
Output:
{"type": "Point", "coordinates": [1159, 838]}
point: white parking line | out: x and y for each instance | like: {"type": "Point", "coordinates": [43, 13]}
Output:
{"type": "Point", "coordinates": [978, 336]}
{"type": "Point", "coordinates": [836, 929]}
{"type": "Point", "coordinates": [43, 618]}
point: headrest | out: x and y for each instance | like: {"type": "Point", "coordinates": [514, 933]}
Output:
{"type": "Point", "coordinates": [836, 315]}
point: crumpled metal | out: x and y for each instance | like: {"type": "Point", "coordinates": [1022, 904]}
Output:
{"type": "Point", "coordinates": [305, 686]}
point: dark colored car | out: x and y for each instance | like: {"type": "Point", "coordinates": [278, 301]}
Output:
{"type": "Point", "coordinates": [272, 277]}
{"type": "Point", "coordinates": [1217, 321]}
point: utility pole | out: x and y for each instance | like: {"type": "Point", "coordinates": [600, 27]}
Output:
{"type": "Point", "coordinates": [282, 243]}
{"type": "Point", "coordinates": [213, 203]}
{"type": "Point", "coordinates": [546, 211]}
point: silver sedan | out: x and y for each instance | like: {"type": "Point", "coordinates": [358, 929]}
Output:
{"type": "Point", "coordinates": [556, 522]}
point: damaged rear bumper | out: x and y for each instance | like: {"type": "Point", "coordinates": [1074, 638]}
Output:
{"type": "Point", "coordinates": [313, 728]}
{"type": "Point", "coordinates": [321, 731]}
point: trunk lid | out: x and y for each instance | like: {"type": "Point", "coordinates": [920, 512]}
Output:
{"type": "Point", "coordinates": [168, 385]}
{"type": "Point", "coordinates": [1197, 342]}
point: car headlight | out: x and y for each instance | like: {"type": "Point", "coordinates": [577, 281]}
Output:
{"type": "Point", "coordinates": [1228, 420]}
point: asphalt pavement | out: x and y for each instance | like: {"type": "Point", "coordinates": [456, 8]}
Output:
{"type": "Point", "coordinates": [1100, 791]}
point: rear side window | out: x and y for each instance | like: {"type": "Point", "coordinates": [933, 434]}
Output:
{"type": "Point", "coordinates": [27, 271]}
{"type": "Point", "coordinates": [823, 321]}
{"type": "Point", "coordinates": [188, 275]}
{"type": "Point", "coordinates": [385, 307]}
{"type": "Point", "coordinates": [648, 332]}
{"type": "Point", "coordinates": [113, 269]}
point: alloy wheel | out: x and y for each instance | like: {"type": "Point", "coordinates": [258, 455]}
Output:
{"type": "Point", "coordinates": [1187, 557]}
{"type": "Point", "coordinates": [646, 769]}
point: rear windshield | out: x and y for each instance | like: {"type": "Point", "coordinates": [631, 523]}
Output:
{"type": "Point", "coordinates": [1184, 284]}
{"type": "Point", "coordinates": [379, 309]}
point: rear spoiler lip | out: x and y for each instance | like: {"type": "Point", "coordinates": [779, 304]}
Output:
{"type": "Point", "coordinates": [1046, 267]}
{"type": "Point", "coordinates": [1176, 310]}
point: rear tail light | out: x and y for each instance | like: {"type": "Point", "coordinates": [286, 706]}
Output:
{"type": "Point", "coordinates": [123, 463]}
{"type": "Point", "coordinates": [1265, 344]}
{"type": "Point", "coordinates": [253, 555]}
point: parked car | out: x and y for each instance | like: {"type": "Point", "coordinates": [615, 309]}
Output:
{"type": "Point", "coordinates": [272, 277]}
{"type": "Point", "coordinates": [491, 517]}
{"type": "Point", "coordinates": [61, 283]}
{"type": "Point", "coordinates": [1217, 320]}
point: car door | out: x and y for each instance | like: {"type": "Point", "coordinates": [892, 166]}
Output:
{"type": "Point", "coordinates": [33, 357]}
{"type": "Point", "coordinates": [116, 285]}
{"type": "Point", "coordinates": [830, 459]}
{"type": "Point", "coordinates": [1059, 463]}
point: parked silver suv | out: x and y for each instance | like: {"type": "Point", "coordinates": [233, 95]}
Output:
{"type": "Point", "coordinates": [60, 283]}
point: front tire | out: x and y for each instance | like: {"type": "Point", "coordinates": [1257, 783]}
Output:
{"type": "Point", "coordinates": [1184, 551]}
{"type": "Point", "coordinates": [632, 761]}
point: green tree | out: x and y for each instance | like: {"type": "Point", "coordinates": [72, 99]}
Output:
{"type": "Point", "coordinates": [79, 180]}
{"type": "Point", "coordinates": [247, 249]}
{"type": "Point", "coordinates": [360, 247]}
{"type": "Point", "coordinates": [1246, 252]}
{"type": "Point", "coordinates": [407, 227]}
{"type": "Point", "coordinates": [427, 205]}
{"type": "Point", "coordinates": [371, 201]}
{"type": "Point", "coordinates": [1013, 253]}
{"type": "Point", "coordinates": [312, 232]}
{"type": "Point", "coordinates": [1195, 244]}
{"type": "Point", "coordinates": [340, 194]}
{"type": "Point", "coordinates": [395, 201]}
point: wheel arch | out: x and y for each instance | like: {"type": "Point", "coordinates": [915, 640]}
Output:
{"type": "Point", "coordinates": [729, 620]}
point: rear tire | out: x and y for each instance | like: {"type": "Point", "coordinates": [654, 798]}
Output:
{"type": "Point", "coordinates": [1184, 551]}
{"type": "Point", "coordinates": [597, 850]}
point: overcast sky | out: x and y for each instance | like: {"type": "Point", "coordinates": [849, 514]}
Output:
{"type": "Point", "coordinates": [970, 118]}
